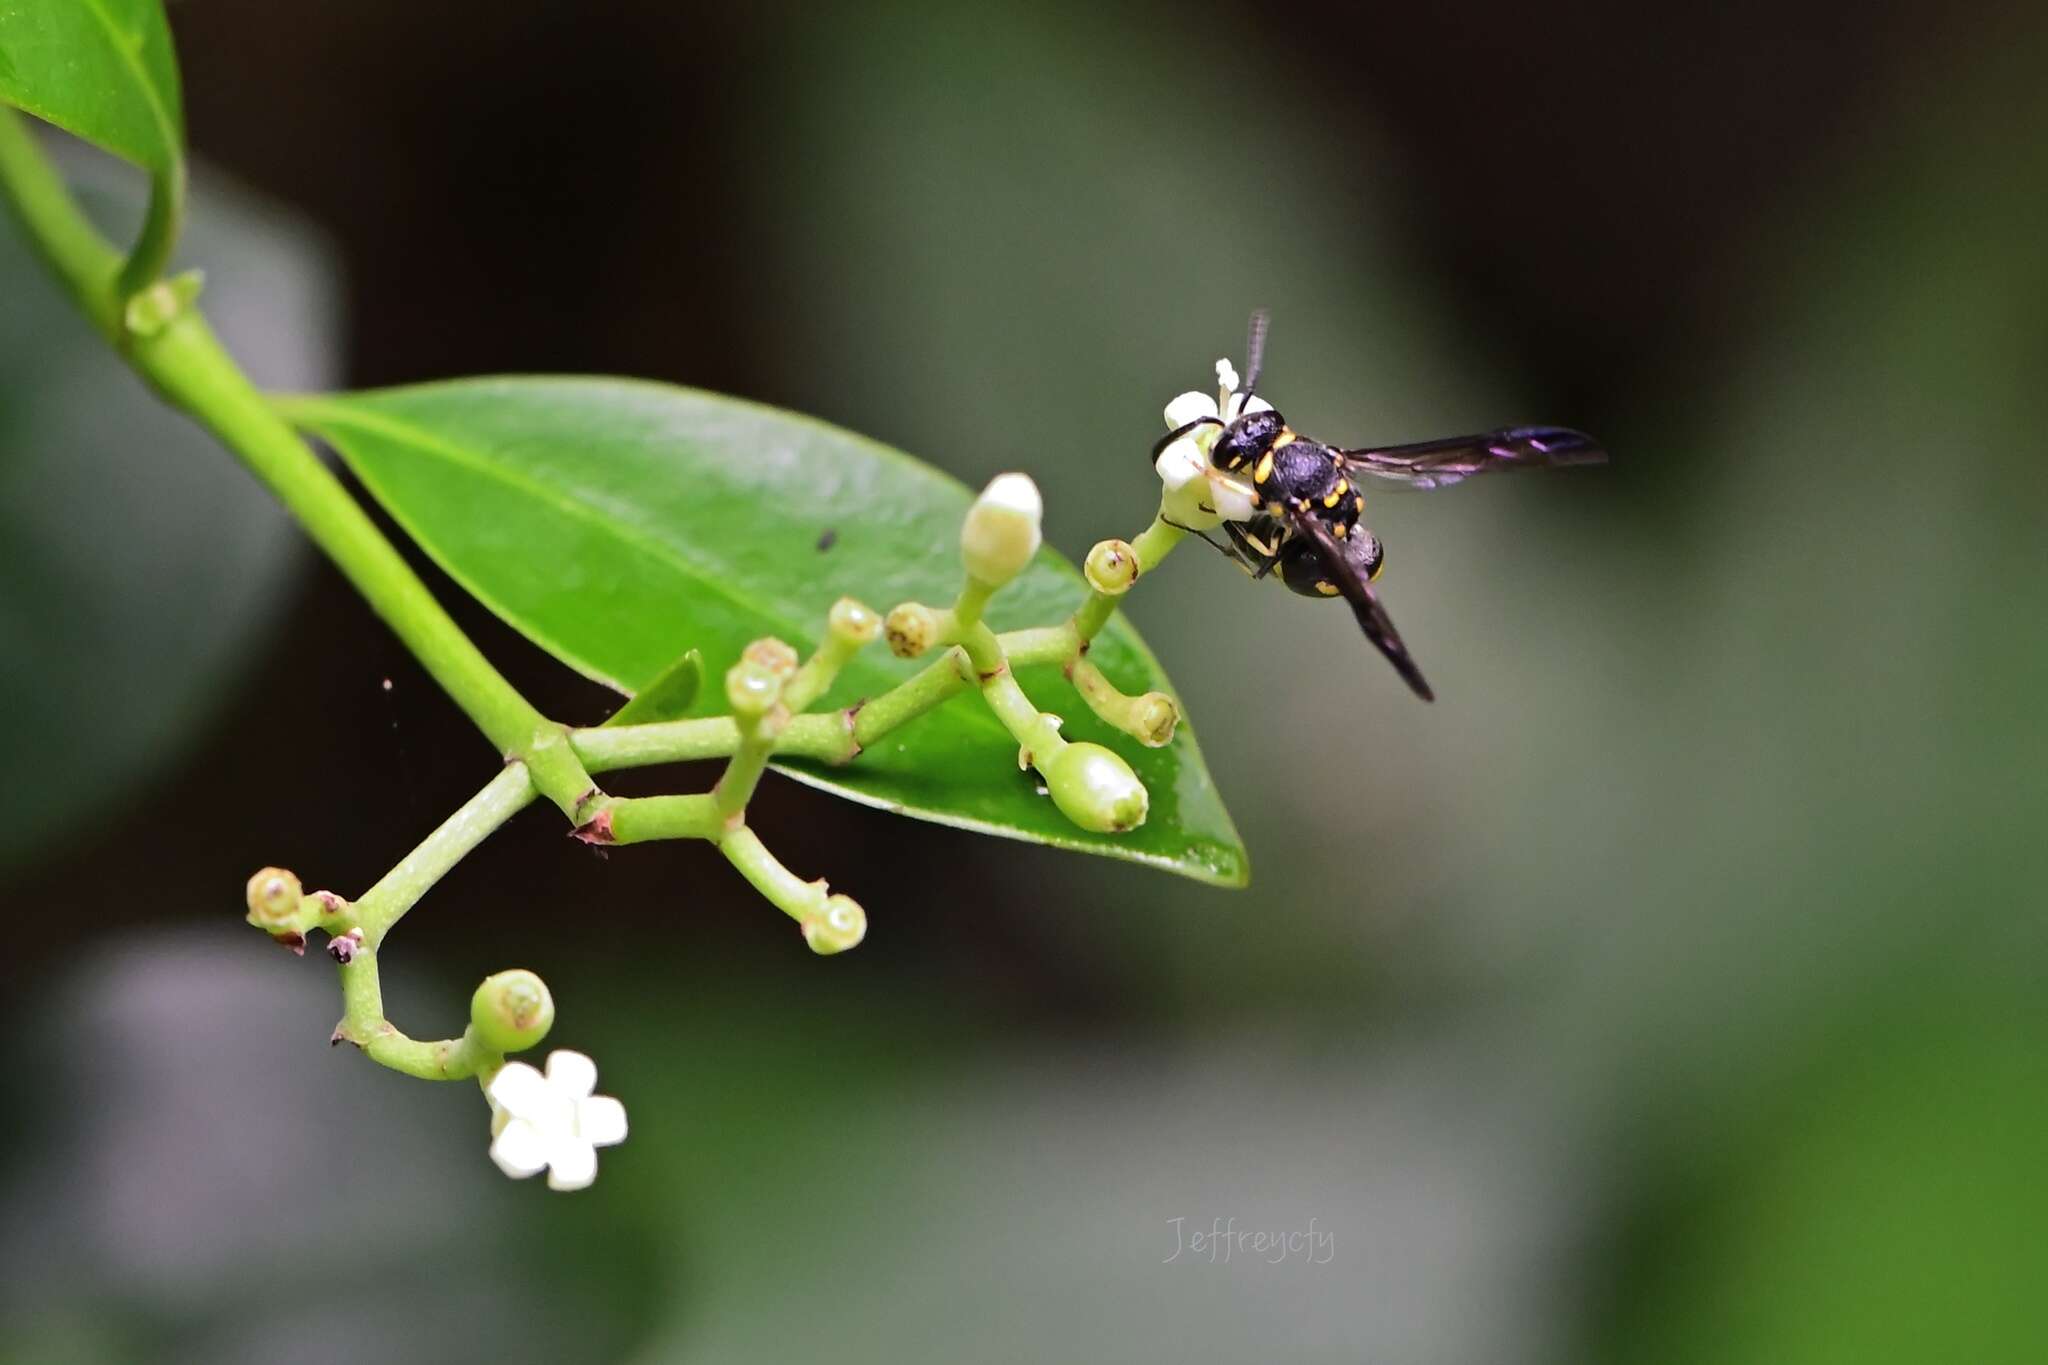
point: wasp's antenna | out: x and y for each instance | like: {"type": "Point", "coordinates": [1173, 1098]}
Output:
{"type": "Point", "coordinates": [1159, 446]}
{"type": "Point", "coordinates": [1254, 354]}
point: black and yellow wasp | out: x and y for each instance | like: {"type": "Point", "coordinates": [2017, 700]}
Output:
{"type": "Point", "coordinates": [1306, 501]}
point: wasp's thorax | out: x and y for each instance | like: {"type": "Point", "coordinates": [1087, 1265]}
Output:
{"type": "Point", "coordinates": [1289, 473]}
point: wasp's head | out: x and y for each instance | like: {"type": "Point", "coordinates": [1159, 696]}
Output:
{"type": "Point", "coordinates": [1245, 439]}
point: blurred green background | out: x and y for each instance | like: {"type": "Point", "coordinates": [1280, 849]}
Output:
{"type": "Point", "coordinates": [1669, 991]}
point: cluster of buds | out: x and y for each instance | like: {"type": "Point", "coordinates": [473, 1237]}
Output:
{"type": "Point", "coordinates": [1091, 785]}
{"type": "Point", "coordinates": [550, 1119]}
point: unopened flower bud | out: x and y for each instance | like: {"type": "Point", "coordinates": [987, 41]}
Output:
{"type": "Point", "coordinates": [1002, 529]}
{"type": "Point", "coordinates": [752, 688]}
{"type": "Point", "coordinates": [1112, 566]}
{"type": "Point", "coordinates": [151, 310]}
{"type": "Point", "coordinates": [1095, 788]}
{"type": "Point", "coordinates": [773, 655]}
{"type": "Point", "coordinates": [840, 925]}
{"type": "Point", "coordinates": [274, 896]}
{"type": "Point", "coordinates": [512, 1011]}
{"type": "Point", "coordinates": [853, 621]}
{"type": "Point", "coordinates": [1153, 718]}
{"type": "Point", "coordinates": [912, 629]}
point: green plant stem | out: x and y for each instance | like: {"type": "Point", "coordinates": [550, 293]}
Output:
{"type": "Point", "coordinates": [363, 1023]}
{"type": "Point", "coordinates": [643, 819]}
{"type": "Point", "coordinates": [474, 821]}
{"type": "Point", "coordinates": [1153, 544]}
{"type": "Point", "coordinates": [189, 368]}
{"type": "Point", "coordinates": [735, 786]}
{"type": "Point", "coordinates": [1104, 697]}
{"type": "Point", "coordinates": [152, 252]}
{"type": "Point", "coordinates": [70, 245]}
{"type": "Point", "coordinates": [790, 893]}
{"type": "Point", "coordinates": [1037, 735]}
{"type": "Point", "coordinates": [818, 672]}
{"type": "Point", "coordinates": [839, 736]}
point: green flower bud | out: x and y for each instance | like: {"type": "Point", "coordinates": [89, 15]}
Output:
{"type": "Point", "coordinates": [1153, 718]}
{"type": "Point", "coordinates": [1095, 788]}
{"type": "Point", "coordinates": [853, 621]}
{"type": "Point", "coordinates": [1001, 532]}
{"type": "Point", "coordinates": [912, 629]}
{"type": "Point", "coordinates": [274, 896]}
{"type": "Point", "coordinates": [511, 1011]}
{"type": "Point", "coordinates": [840, 925]}
{"type": "Point", "coordinates": [753, 688]}
{"type": "Point", "coordinates": [773, 655]}
{"type": "Point", "coordinates": [1112, 566]}
{"type": "Point", "coordinates": [153, 309]}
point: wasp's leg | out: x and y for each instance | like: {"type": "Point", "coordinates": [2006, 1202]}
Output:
{"type": "Point", "coordinates": [1223, 550]}
{"type": "Point", "coordinates": [1255, 555]}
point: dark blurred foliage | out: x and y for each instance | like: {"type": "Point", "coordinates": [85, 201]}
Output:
{"type": "Point", "coordinates": [1670, 991]}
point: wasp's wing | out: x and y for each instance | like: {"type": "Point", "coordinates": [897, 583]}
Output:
{"type": "Point", "coordinates": [1439, 464]}
{"type": "Point", "coordinates": [1372, 617]}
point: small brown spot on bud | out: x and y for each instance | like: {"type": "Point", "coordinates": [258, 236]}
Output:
{"type": "Point", "coordinates": [342, 947]}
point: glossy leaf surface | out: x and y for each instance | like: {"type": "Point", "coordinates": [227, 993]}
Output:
{"type": "Point", "coordinates": [102, 69]}
{"type": "Point", "coordinates": [616, 523]}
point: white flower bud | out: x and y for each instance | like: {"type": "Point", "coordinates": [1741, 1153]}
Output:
{"type": "Point", "coordinates": [1001, 533]}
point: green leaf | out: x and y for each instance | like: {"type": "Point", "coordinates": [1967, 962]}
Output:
{"type": "Point", "coordinates": [668, 697]}
{"type": "Point", "coordinates": [103, 69]}
{"type": "Point", "coordinates": [613, 522]}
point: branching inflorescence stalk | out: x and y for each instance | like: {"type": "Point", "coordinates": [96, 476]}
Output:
{"type": "Point", "coordinates": [157, 327]}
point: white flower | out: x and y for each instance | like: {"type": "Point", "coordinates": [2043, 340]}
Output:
{"type": "Point", "coordinates": [1197, 495]}
{"type": "Point", "coordinates": [552, 1122]}
{"type": "Point", "coordinates": [1001, 532]}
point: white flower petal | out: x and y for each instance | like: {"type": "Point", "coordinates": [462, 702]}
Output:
{"type": "Point", "coordinates": [1187, 408]}
{"type": "Point", "coordinates": [572, 1165]}
{"type": "Point", "coordinates": [1179, 463]}
{"type": "Point", "coordinates": [571, 1073]}
{"type": "Point", "coordinates": [1231, 498]}
{"type": "Point", "coordinates": [519, 1090]}
{"type": "Point", "coordinates": [1238, 406]}
{"type": "Point", "coordinates": [521, 1150]}
{"type": "Point", "coordinates": [601, 1120]}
